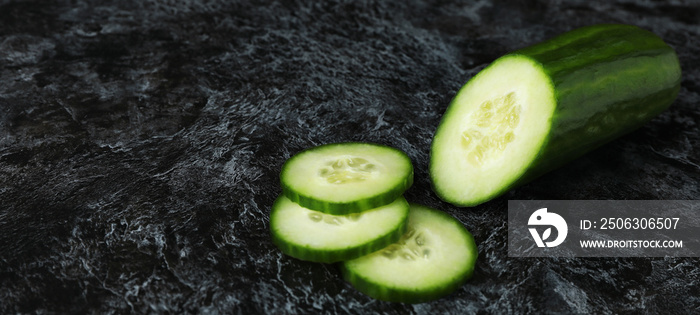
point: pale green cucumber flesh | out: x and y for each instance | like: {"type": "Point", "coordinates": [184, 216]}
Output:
{"type": "Point", "coordinates": [434, 258]}
{"type": "Point", "coordinates": [315, 236]}
{"type": "Point", "coordinates": [344, 178]}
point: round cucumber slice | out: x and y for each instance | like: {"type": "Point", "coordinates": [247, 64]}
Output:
{"type": "Point", "coordinates": [320, 237]}
{"type": "Point", "coordinates": [435, 256]}
{"type": "Point", "coordinates": [344, 178]}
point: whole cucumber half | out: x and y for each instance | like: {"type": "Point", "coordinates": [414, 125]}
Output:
{"type": "Point", "coordinates": [542, 106]}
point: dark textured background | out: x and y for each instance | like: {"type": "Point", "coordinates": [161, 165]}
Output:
{"type": "Point", "coordinates": [140, 145]}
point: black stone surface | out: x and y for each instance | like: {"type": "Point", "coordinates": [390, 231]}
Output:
{"type": "Point", "coordinates": [140, 145]}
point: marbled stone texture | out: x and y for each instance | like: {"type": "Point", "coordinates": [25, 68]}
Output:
{"type": "Point", "coordinates": [141, 141]}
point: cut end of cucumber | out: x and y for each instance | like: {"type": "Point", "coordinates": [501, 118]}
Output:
{"type": "Point", "coordinates": [492, 131]}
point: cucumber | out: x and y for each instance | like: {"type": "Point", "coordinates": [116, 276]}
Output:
{"type": "Point", "coordinates": [542, 106]}
{"type": "Point", "coordinates": [344, 178]}
{"type": "Point", "coordinates": [315, 236]}
{"type": "Point", "coordinates": [435, 256]}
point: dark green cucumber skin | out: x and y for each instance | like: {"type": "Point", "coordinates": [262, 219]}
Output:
{"type": "Point", "coordinates": [382, 198]}
{"type": "Point", "coordinates": [377, 291]}
{"type": "Point", "coordinates": [332, 256]}
{"type": "Point", "coordinates": [590, 68]}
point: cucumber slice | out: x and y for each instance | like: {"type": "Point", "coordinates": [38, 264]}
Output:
{"type": "Point", "coordinates": [542, 106]}
{"type": "Point", "coordinates": [344, 178]}
{"type": "Point", "coordinates": [315, 236]}
{"type": "Point", "coordinates": [435, 257]}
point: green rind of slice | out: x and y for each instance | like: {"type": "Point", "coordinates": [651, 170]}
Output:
{"type": "Point", "coordinates": [319, 237]}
